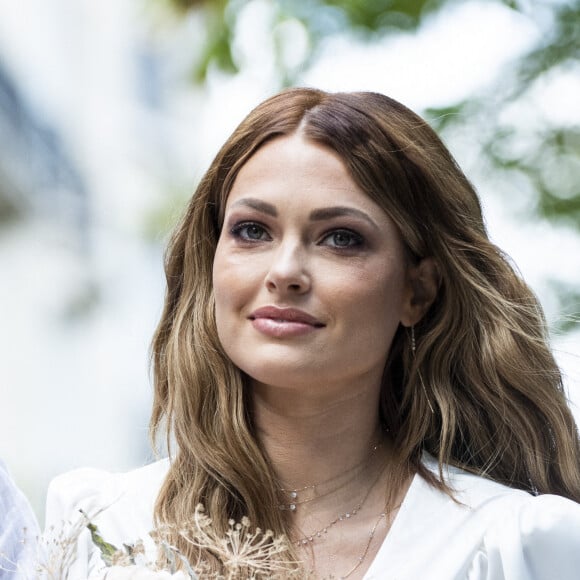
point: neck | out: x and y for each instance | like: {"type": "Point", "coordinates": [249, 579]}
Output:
{"type": "Point", "coordinates": [330, 439]}
{"type": "Point", "coordinates": [311, 438]}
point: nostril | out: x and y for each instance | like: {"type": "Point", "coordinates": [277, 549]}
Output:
{"type": "Point", "coordinates": [293, 282]}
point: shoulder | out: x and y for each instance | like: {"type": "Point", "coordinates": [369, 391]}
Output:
{"type": "Point", "coordinates": [93, 490]}
{"type": "Point", "coordinates": [120, 504]}
{"type": "Point", "coordinates": [510, 533]}
{"type": "Point", "coordinates": [495, 503]}
{"type": "Point", "coordinates": [535, 539]}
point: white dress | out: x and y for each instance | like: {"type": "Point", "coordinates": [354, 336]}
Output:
{"type": "Point", "coordinates": [491, 532]}
{"type": "Point", "coordinates": [18, 531]}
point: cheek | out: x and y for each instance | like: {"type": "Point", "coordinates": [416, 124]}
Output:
{"type": "Point", "coordinates": [233, 288]}
{"type": "Point", "coordinates": [234, 282]}
{"type": "Point", "coordinates": [376, 303]}
{"type": "Point", "coordinates": [222, 289]}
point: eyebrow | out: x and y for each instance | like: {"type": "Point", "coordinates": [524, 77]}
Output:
{"type": "Point", "coordinates": [321, 214]}
{"type": "Point", "coordinates": [340, 211]}
{"type": "Point", "coordinates": [257, 204]}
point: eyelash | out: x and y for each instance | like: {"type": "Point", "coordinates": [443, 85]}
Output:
{"type": "Point", "coordinates": [240, 232]}
{"type": "Point", "coordinates": [237, 229]}
{"type": "Point", "coordinates": [357, 239]}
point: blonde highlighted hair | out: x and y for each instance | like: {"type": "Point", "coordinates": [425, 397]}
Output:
{"type": "Point", "coordinates": [482, 391]}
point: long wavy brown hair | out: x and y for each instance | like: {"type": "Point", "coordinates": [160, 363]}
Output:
{"type": "Point", "coordinates": [482, 390]}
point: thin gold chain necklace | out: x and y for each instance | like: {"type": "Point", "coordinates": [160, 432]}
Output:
{"type": "Point", "coordinates": [385, 514]}
{"type": "Point", "coordinates": [293, 498]}
{"type": "Point", "coordinates": [309, 538]}
{"type": "Point", "coordinates": [362, 557]}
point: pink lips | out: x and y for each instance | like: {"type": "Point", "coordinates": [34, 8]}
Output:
{"type": "Point", "coordinates": [283, 322]}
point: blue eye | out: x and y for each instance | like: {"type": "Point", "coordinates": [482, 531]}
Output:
{"type": "Point", "coordinates": [249, 231]}
{"type": "Point", "coordinates": [342, 239]}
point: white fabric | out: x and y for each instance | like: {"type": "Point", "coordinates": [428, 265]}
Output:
{"type": "Point", "coordinates": [18, 531]}
{"type": "Point", "coordinates": [126, 501]}
{"type": "Point", "coordinates": [491, 532]}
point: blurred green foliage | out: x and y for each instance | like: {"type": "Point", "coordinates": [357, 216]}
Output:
{"type": "Point", "coordinates": [542, 156]}
{"type": "Point", "coordinates": [568, 306]}
{"type": "Point", "coordinates": [550, 159]}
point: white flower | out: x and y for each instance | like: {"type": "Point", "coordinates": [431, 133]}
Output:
{"type": "Point", "coordinates": [244, 552]}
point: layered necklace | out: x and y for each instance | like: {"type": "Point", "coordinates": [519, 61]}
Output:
{"type": "Point", "coordinates": [340, 517]}
{"type": "Point", "coordinates": [292, 498]}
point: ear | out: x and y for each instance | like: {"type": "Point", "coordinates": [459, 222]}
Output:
{"type": "Point", "coordinates": [422, 286]}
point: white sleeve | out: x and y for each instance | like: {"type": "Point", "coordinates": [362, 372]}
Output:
{"type": "Point", "coordinates": [538, 539]}
{"type": "Point", "coordinates": [67, 540]}
{"type": "Point", "coordinates": [120, 504]}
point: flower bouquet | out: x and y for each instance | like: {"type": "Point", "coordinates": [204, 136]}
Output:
{"type": "Point", "coordinates": [243, 553]}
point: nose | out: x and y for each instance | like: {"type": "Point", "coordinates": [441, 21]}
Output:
{"type": "Point", "coordinates": [288, 272]}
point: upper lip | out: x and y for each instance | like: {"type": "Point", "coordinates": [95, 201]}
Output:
{"type": "Point", "coordinates": [285, 314]}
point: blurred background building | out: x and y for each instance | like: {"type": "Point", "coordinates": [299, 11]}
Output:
{"type": "Point", "coordinates": [110, 112]}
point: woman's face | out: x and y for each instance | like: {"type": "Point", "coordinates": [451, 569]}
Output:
{"type": "Point", "coordinates": [310, 275]}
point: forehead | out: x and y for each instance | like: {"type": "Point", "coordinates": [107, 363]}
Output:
{"type": "Point", "coordinates": [294, 169]}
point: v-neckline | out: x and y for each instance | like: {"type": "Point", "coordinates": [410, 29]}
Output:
{"type": "Point", "coordinates": [398, 523]}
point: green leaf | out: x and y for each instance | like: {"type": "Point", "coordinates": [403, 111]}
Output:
{"type": "Point", "coordinates": [107, 550]}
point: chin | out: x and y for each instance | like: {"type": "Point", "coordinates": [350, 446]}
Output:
{"type": "Point", "coordinates": [282, 375]}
